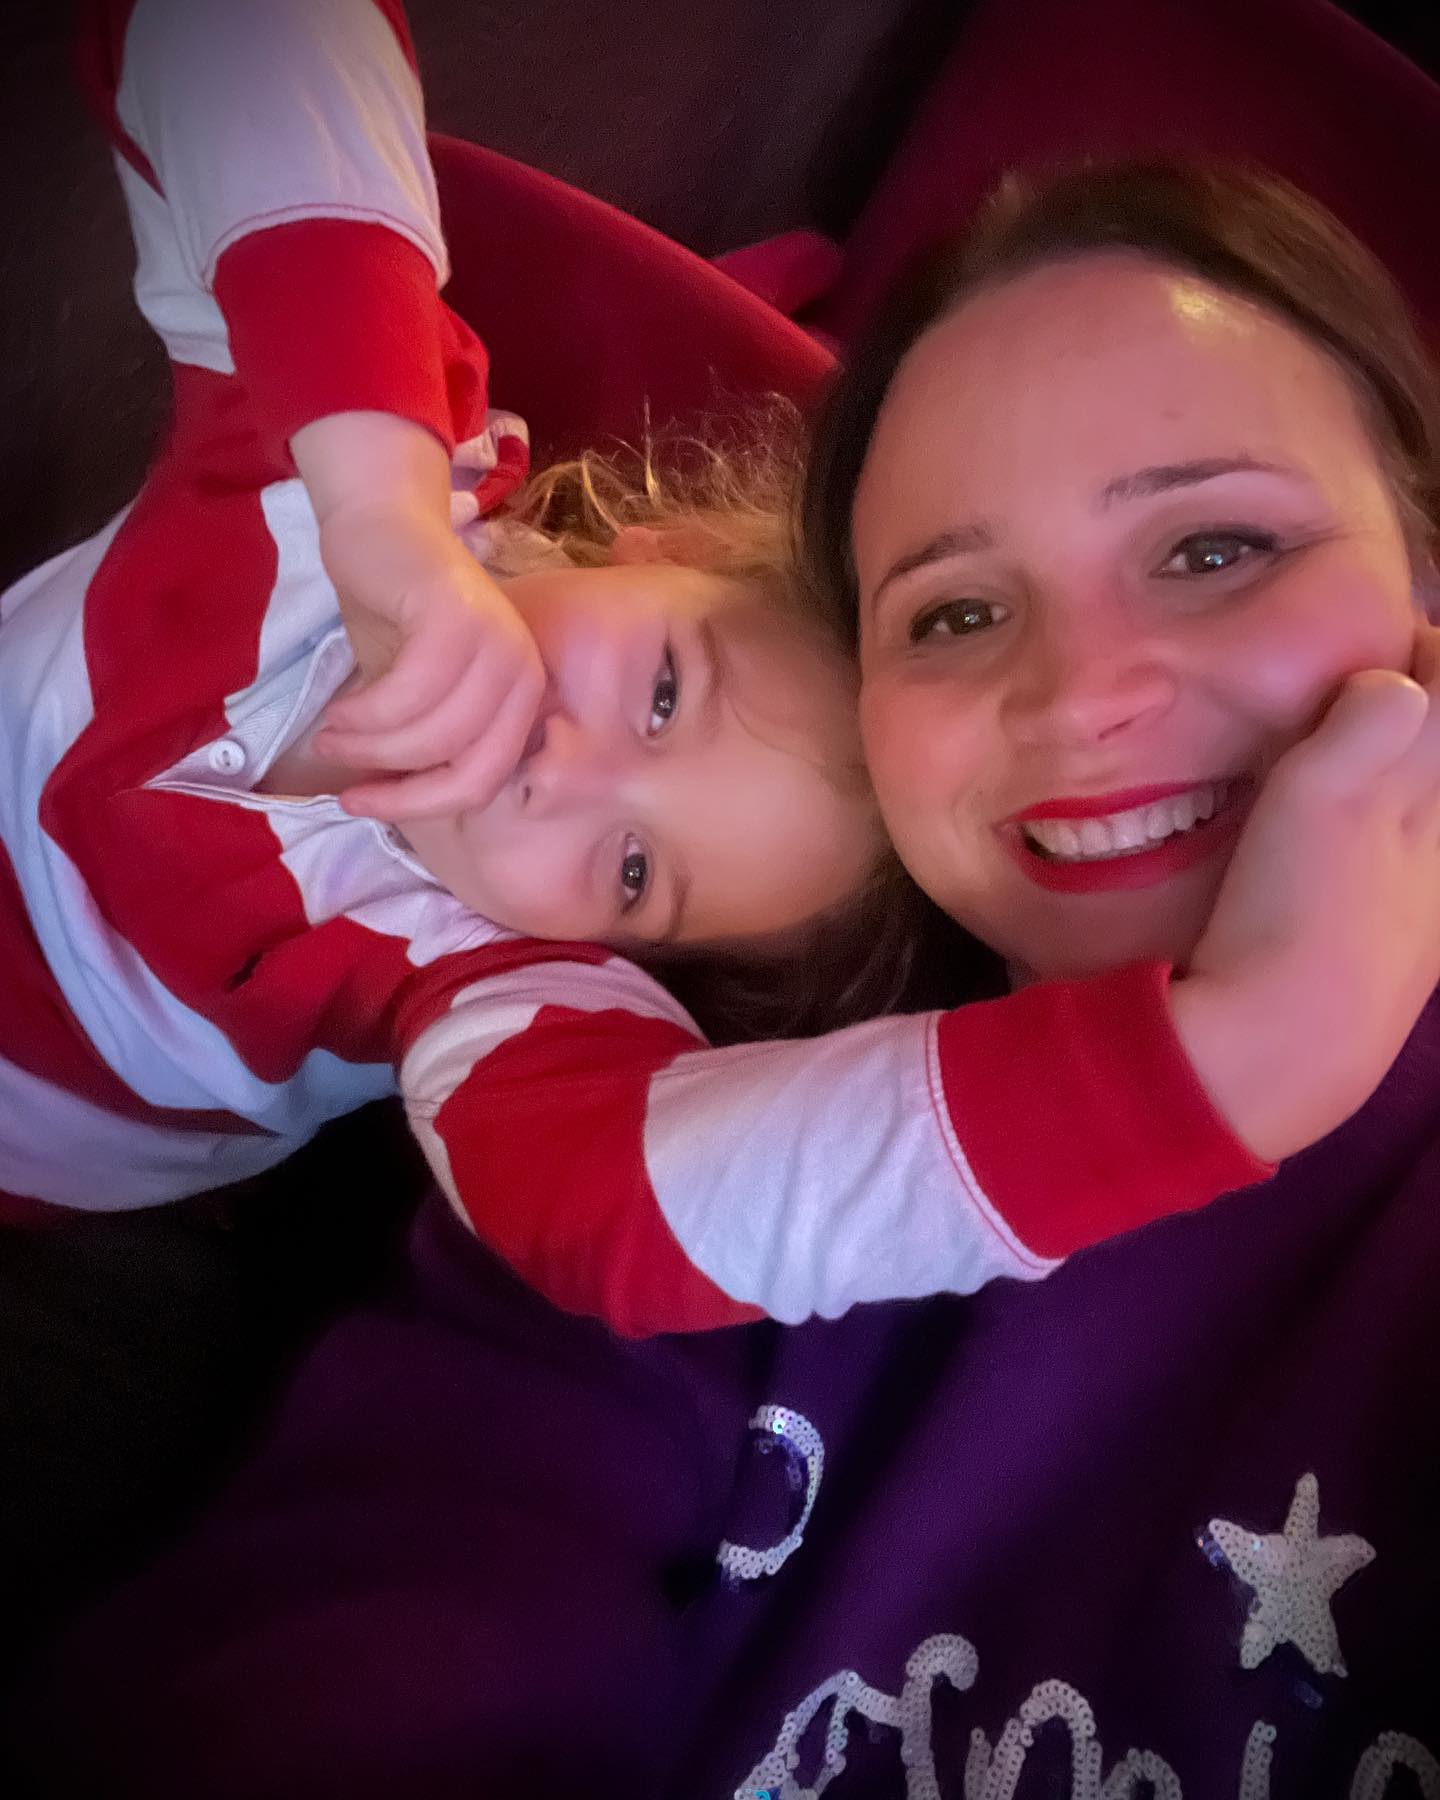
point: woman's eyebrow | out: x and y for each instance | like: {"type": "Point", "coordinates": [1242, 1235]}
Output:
{"type": "Point", "coordinates": [959, 540]}
{"type": "Point", "coordinates": [1145, 483]}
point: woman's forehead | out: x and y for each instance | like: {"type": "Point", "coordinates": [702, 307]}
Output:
{"type": "Point", "coordinates": [1057, 374]}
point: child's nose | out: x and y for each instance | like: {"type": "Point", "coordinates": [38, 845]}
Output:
{"type": "Point", "coordinates": [566, 765]}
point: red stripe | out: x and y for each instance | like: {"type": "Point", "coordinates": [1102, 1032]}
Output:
{"type": "Point", "coordinates": [98, 58]}
{"type": "Point", "coordinates": [330, 316]}
{"type": "Point", "coordinates": [394, 11]}
{"type": "Point", "coordinates": [40, 1034]}
{"type": "Point", "coordinates": [1102, 1124]}
{"type": "Point", "coordinates": [172, 624]}
{"type": "Point", "coordinates": [546, 1145]}
{"type": "Point", "coordinates": [512, 463]}
{"type": "Point", "coordinates": [431, 992]}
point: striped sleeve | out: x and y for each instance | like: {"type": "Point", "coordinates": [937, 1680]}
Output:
{"type": "Point", "coordinates": [293, 198]}
{"type": "Point", "coordinates": [582, 1127]}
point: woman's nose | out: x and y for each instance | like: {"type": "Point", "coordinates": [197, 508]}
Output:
{"type": "Point", "coordinates": [566, 765]}
{"type": "Point", "coordinates": [1083, 686]}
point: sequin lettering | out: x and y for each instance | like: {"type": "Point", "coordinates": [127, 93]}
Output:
{"type": "Point", "coordinates": [797, 1438]}
{"type": "Point", "coordinates": [993, 1771]}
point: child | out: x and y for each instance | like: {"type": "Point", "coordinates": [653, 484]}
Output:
{"type": "Point", "coordinates": [213, 956]}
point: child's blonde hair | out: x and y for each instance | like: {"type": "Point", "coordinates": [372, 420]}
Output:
{"type": "Point", "coordinates": [725, 501]}
{"type": "Point", "coordinates": [731, 489]}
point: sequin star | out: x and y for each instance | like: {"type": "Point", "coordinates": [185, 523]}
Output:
{"type": "Point", "coordinates": [1294, 1573]}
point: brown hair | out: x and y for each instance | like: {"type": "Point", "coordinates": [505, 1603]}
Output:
{"type": "Point", "coordinates": [729, 500]}
{"type": "Point", "coordinates": [1243, 230]}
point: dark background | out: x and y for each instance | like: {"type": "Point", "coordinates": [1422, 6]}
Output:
{"type": "Point", "coordinates": [135, 1351]}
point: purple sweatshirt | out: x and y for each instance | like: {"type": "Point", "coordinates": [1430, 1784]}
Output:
{"type": "Point", "coordinates": [1171, 1516]}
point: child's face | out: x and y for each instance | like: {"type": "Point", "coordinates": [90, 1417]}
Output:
{"type": "Point", "coordinates": [674, 789]}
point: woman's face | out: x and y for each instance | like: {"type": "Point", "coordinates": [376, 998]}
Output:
{"type": "Point", "coordinates": [1118, 538]}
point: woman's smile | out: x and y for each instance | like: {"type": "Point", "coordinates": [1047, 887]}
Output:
{"type": "Point", "coordinates": [1089, 628]}
{"type": "Point", "coordinates": [1130, 839]}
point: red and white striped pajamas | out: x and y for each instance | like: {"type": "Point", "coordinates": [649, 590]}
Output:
{"type": "Point", "coordinates": [200, 974]}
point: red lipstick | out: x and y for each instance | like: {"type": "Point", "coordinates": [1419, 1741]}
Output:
{"type": "Point", "coordinates": [1131, 869]}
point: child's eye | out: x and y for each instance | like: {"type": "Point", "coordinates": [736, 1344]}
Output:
{"type": "Point", "coordinates": [665, 697]}
{"type": "Point", "coordinates": [1216, 552]}
{"type": "Point", "coordinates": [956, 618]}
{"type": "Point", "coordinates": [634, 875]}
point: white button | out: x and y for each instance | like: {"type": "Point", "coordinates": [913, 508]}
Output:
{"type": "Point", "coordinates": [227, 756]}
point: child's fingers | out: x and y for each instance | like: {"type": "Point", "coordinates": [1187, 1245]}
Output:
{"type": "Point", "coordinates": [1375, 719]}
{"type": "Point", "coordinates": [471, 779]}
{"type": "Point", "coordinates": [426, 667]}
{"type": "Point", "coordinates": [444, 730]}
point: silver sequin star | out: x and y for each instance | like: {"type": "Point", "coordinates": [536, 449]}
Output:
{"type": "Point", "coordinates": [1294, 1573]}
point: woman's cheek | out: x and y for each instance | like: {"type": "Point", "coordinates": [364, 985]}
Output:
{"type": "Point", "coordinates": [922, 750]}
{"type": "Point", "coordinates": [1294, 655]}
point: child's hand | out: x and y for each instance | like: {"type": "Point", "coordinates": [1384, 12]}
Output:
{"type": "Point", "coordinates": [453, 678]}
{"type": "Point", "coordinates": [1324, 945]}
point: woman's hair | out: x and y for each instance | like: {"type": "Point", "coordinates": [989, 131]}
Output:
{"type": "Point", "coordinates": [1240, 229]}
{"type": "Point", "coordinates": [725, 502]}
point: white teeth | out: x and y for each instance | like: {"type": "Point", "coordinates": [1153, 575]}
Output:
{"type": "Point", "coordinates": [1095, 838]}
{"type": "Point", "coordinates": [1067, 840]}
{"type": "Point", "coordinates": [1128, 831]}
{"type": "Point", "coordinates": [1124, 833]}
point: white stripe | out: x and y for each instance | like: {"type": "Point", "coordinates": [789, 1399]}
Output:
{"type": "Point", "coordinates": [73, 1154]}
{"type": "Point", "coordinates": [167, 1053]}
{"type": "Point", "coordinates": [808, 1177]}
{"type": "Point", "coordinates": [490, 1012]}
{"type": "Point", "coordinates": [179, 309]}
{"type": "Point", "coordinates": [258, 112]}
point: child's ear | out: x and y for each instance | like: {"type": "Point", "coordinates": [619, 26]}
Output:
{"type": "Point", "coordinates": [691, 542]}
{"type": "Point", "coordinates": [639, 544]}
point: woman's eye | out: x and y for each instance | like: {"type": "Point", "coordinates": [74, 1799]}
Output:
{"type": "Point", "coordinates": [956, 618]}
{"type": "Point", "coordinates": [665, 697]}
{"type": "Point", "coordinates": [1215, 552]}
{"type": "Point", "coordinates": [634, 875]}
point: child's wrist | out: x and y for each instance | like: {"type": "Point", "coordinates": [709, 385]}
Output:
{"type": "Point", "coordinates": [1247, 1077]}
{"type": "Point", "coordinates": [371, 462]}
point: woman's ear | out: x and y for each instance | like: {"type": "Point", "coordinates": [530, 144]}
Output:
{"type": "Point", "coordinates": [638, 544]}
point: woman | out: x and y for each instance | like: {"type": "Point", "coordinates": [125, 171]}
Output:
{"type": "Point", "coordinates": [1136, 481]}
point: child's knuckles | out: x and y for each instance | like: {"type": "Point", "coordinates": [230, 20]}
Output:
{"type": "Point", "coordinates": [1373, 723]}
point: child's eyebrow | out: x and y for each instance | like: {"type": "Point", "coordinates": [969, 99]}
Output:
{"type": "Point", "coordinates": [679, 904]}
{"type": "Point", "coordinates": [713, 676]}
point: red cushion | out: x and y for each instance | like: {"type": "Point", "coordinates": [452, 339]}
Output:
{"type": "Point", "coordinates": [1295, 84]}
{"type": "Point", "coordinates": [588, 314]}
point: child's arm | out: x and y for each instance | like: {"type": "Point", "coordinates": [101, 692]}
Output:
{"type": "Point", "coordinates": [579, 1123]}
{"type": "Point", "coordinates": [285, 212]}
{"type": "Point", "coordinates": [576, 1121]}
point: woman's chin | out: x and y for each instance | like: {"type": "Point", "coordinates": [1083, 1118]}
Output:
{"type": "Point", "coordinates": [1072, 937]}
